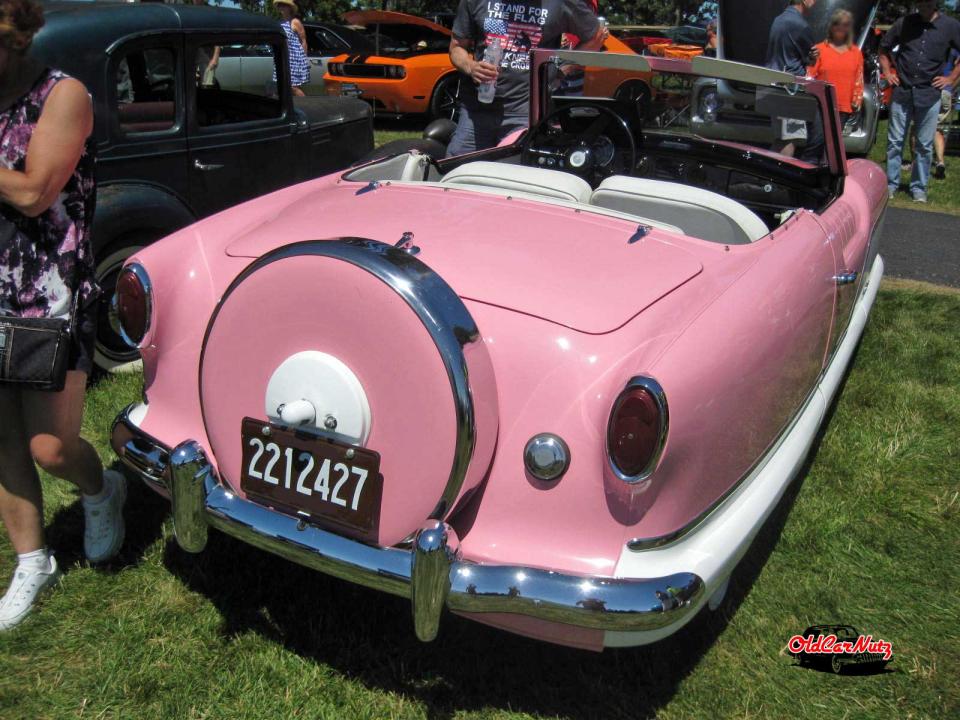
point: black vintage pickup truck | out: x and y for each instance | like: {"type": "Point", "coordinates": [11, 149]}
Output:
{"type": "Point", "coordinates": [178, 137]}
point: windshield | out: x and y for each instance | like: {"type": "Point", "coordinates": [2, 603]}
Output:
{"type": "Point", "coordinates": [404, 39]}
{"type": "Point", "coordinates": [705, 101]}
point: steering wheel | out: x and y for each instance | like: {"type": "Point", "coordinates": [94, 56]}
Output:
{"type": "Point", "coordinates": [585, 139]}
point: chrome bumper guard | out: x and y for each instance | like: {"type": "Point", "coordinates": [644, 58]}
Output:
{"type": "Point", "coordinates": [430, 573]}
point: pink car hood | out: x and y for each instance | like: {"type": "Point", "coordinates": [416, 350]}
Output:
{"type": "Point", "coordinates": [572, 268]}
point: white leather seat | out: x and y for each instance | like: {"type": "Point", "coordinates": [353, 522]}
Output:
{"type": "Point", "coordinates": [520, 179]}
{"type": "Point", "coordinates": [699, 213]}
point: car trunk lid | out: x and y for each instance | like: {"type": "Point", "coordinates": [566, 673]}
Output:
{"type": "Point", "coordinates": [590, 273]}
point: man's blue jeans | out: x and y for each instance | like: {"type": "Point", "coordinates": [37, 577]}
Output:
{"type": "Point", "coordinates": [902, 113]}
{"type": "Point", "coordinates": [479, 128]}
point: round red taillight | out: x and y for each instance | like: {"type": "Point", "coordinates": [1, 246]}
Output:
{"type": "Point", "coordinates": [637, 430]}
{"type": "Point", "coordinates": [133, 304]}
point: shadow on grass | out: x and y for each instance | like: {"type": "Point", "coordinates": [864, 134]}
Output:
{"type": "Point", "coordinates": [848, 670]}
{"type": "Point", "coordinates": [368, 636]}
{"type": "Point", "coordinates": [144, 512]}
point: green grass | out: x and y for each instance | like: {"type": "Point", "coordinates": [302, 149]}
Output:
{"type": "Point", "coordinates": [388, 130]}
{"type": "Point", "coordinates": [942, 195]}
{"type": "Point", "coordinates": [868, 536]}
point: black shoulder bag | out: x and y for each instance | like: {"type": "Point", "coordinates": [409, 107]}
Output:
{"type": "Point", "coordinates": [34, 352]}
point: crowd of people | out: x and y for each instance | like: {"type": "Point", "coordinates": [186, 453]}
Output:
{"type": "Point", "coordinates": [47, 189]}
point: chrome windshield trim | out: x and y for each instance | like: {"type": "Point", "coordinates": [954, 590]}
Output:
{"type": "Point", "coordinates": [439, 308]}
{"type": "Point", "coordinates": [740, 72]}
{"type": "Point", "coordinates": [615, 61]}
{"type": "Point", "coordinates": [431, 573]}
{"type": "Point", "coordinates": [660, 398]}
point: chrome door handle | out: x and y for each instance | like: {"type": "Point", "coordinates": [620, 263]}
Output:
{"type": "Point", "coordinates": [206, 166]}
{"type": "Point", "coordinates": [847, 278]}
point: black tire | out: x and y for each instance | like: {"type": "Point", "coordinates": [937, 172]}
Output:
{"type": "Point", "coordinates": [836, 667]}
{"type": "Point", "coordinates": [112, 354]}
{"type": "Point", "coordinates": [445, 101]}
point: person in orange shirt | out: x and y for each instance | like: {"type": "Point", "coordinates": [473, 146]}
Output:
{"type": "Point", "coordinates": [840, 63]}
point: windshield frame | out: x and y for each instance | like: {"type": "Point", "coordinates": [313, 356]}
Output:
{"type": "Point", "coordinates": [824, 94]}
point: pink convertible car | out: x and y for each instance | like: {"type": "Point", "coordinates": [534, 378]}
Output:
{"type": "Point", "coordinates": [555, 386]}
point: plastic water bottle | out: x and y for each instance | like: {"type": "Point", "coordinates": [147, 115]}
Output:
{"type": "Point", "coordinates": [493, 54]}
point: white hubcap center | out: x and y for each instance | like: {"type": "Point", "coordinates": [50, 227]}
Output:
{"type": "Point", "coordinates": [314, 389]}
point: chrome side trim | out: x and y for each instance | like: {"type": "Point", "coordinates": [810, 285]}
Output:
{"type": "Point", "coordinates": [653, 543]}
{"type": "Point", "coordinates": [660, 398]}
{"type": "Point", "coordinates": [438, 307]}
{"type": "Point", "coordinates": [431, 574]}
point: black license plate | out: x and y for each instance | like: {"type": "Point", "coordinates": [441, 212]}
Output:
{"type": "Point", "coordinates": [332, 482]}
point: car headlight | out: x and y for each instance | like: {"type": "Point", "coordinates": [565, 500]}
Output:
{"type": "Point", "coordinates": [396, 71]}
{"type": "Point", "coordinates": [709, 105]}
{"type": "Point", "coordinates": [637, 430]}
{"type": "Point", "coordinates": [133, 304]}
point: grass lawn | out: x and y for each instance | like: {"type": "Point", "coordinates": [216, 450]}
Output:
{"type": "Point", "coordinates": [388, 130]}
{"type": "Point", "coordinates": [868, 536]}
{"type": "Point", "coordinates": [942, 195]}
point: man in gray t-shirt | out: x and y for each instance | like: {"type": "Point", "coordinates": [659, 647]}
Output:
{"type": "Point", "coordinates": [521, 27]}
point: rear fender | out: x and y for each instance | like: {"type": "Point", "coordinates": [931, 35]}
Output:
{"type": "Point", "coordinates": [137, 208]}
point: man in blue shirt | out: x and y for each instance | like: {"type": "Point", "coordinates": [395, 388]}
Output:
{"type": "Point", "coordinates": [790, 48]}
{"type": "Point", "coordinates": [918, 44]}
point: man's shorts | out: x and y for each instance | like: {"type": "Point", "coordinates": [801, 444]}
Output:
{"type": "Point", "coordinates": [946, 110]}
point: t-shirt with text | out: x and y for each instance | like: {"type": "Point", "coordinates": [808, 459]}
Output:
{"type": "Point", "coordinates": [521, 27]}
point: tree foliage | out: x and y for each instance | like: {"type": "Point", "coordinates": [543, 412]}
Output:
{"type": "Point", "coordinates": [617, 12]}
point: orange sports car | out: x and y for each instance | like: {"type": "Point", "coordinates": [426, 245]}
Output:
{"type": "Point", "coordinates": [409, 72]}
{"type": "Point", "coordinates": [621, 84]}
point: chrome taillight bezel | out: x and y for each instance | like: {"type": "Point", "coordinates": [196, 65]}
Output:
{"type": "Point", "coordinates": [655, 390]}
{"type": "Point", "coordinates": [140, 273]}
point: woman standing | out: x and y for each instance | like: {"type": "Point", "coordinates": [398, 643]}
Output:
{"type": "Point", "coordinates": [46, 270]}
{"type": "Point", "coordinates": [840, 63]}
{"type": "Point", "coordinates": [296, 45]}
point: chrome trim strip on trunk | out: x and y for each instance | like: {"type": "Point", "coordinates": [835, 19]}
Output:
{"type": "Point", "coordinates": [432, 573]}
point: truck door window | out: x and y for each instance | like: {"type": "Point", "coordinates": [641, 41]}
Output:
{"type": "Point", "coordinates": [145, 90]}
{"type": "Point", "coordinates": [236, 83]}
{"type": "Point", "coordinates": [321, 42]}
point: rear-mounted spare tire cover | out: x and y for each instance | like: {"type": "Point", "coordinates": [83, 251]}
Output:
{"type": "Point", "coordinates": [403, 333]}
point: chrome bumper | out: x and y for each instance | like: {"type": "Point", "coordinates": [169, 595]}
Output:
{"type": "Point", "coordinates": [431, 572]}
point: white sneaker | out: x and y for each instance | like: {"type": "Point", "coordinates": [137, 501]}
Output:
{"type": "Point", "coordinates": [25, 587]}
{"type": "Point", "coordinates": [104, 528]}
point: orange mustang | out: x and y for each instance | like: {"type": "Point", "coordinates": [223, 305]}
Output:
{"type": "Point", "coordinates": [410, 71]}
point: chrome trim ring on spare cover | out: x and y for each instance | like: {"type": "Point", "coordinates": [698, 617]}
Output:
{"type": "Point", "coordinates": [450, 325]}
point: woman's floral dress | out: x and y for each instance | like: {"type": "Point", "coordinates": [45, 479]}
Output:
{"type": "Point", "coordinates": [51, 256]}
